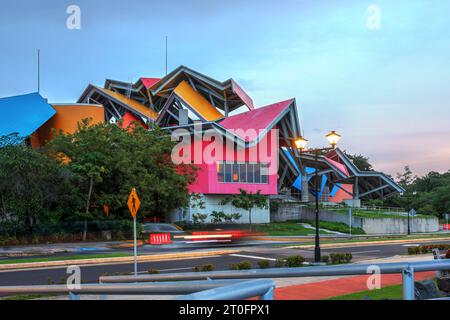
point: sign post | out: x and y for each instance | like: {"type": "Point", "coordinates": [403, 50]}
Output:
{"type": "Point", "coordinates": [133, 205]}
{"type": "Point", "coordinates": [412, 213]}
{"type": "Point", "coordinates": [350, 220]}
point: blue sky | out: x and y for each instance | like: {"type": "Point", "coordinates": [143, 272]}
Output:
{"type": "Point", "coordinates": [387, 90]}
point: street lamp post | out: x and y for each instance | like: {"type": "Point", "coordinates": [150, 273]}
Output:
{"type": "Point", "coordinates": [300, 143]}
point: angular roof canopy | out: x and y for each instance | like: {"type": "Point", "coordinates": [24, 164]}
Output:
{"type": "Point", "coordinates": [148, 82]}
{"type": "Point", "coordinates": [24, 114]}
{"type": "Point", "coordinates": [263, 118]}
{"type": "Point", "coordinates": [124, 101]}
{"type": "Point", "coordinates": [197, 102]}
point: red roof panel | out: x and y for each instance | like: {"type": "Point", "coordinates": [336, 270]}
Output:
{"type": "Point", "coordinates": [258, 119]}
{"type": "Point", "coordinates": [148, 82]}
{"type": "Point", "coordinates": [242, 95]}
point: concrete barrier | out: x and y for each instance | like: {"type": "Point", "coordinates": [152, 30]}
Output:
{"type": "Point", "coordinates": [296, 211]}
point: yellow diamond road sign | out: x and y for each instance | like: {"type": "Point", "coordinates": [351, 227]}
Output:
{"type": "Point", "coordinates": [134, 203]}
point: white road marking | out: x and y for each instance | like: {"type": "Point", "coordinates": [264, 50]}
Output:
{"type": "Point", "coordinates": [370, 251]}
{"type": "Point", "coordinates": [412, 245]}
{"type": "Point", "coordinates": [253, 257]}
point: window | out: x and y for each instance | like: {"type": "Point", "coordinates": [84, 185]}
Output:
{"type": "Point", "coordinates": [220, 172]}
{"type": "Point", "coordinates": [235, 172]}
{"type": "Point", "coordinates": [264, 173]}
{"type": "Point", "coordinates": [227, 172]}
{"type": "Point", "coordinates": [242, 172]}
{"type": "Point", "coordinates": [257, 173]}
{"type": "Point", "coordinates": [250, 173]}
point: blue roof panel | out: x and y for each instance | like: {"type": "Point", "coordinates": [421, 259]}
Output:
{"type": "Point", "coordinates": [24, 114]}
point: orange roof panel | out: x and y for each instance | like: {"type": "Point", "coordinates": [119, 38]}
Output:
{"type": "Point", "coordinates": [66, 119]}
{"type": "Point", "coordinates": [197, 102]}
{"type": "Point", "coordinates": [139, 107]}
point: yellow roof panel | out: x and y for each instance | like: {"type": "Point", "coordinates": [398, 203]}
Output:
{"type": "Point", "coordinates": [197, 102]}
{"type": "Point", "coordinates": [144, 110]}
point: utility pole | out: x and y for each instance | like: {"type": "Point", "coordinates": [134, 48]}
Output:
{"type": "Point", "coordinates": [39, 70]}
{"type": "Point", "coordinates": [166, 52]}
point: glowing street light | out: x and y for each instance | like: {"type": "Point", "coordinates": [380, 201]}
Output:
{"type": "Point", "coordinates": [300, 143]}
{"type": "Point", "coordinates": [333, 138]}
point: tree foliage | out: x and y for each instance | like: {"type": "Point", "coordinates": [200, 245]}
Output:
{"type": "Point", "coordinates": [111, 160]}
{"type": "Point", "coordinates": [247, 201]}
{"type": "Point", "coordinates": [33, 187]}
{"type": "Point", "coordinates": [360, 161]}
{"type": "Point", "coordinates": [75, 176]}
{"type": "Point", "coordinates": [429, 194]}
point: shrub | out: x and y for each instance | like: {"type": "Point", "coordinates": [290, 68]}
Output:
{"type": "Point", "coordinates": [233, 266]}
{"type": "Point", "coordinates": [153, 271]}
{"type": "Point", "coordinates": [203, 268]}
{"type": "Point", "coordinates": [199, 218]}
{"type": "Point", "coordinates": [218, 216]}
{"type": "Point", "coordinates": [413, 250]}
{"type": "Point", "coordinates": [243, 265]}
{"type": "Point", "coordinates": [340, 258]}
{"type": "Point", "coordinates": [428, 248]}
{"type": "Point", "coordinates": [280, 263]}
{"type": "Point", "coordinates": [325, 259]}
{"type": "Point", "coordinates": [232, 216]}
{"type": "Point", "coordinates": [294, 261]}
{"type": "Point", "coordinates": [264, 264]}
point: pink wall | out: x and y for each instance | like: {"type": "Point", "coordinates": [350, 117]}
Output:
{"type": "Point", "coordinates": [207, 179]}
{"type": "Point", "coordinates": [342, 195]}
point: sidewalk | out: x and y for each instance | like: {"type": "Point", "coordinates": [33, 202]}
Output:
{"type": "Point", "coordinates": [338, 287]}
{"type": "Point", "coordinates": [317, 288]}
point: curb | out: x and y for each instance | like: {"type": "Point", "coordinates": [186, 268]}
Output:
{"type": "Point", "coordinates": [148, 258]}
{"type": "Point", "coordinates": [367, 243]}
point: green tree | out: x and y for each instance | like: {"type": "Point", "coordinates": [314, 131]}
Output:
{"type": "Point", "coordinates": [111, 160]}
{"type": "Point", "coordinates": [406, 178]}
{"type": "Point", "coordinates": [360, 161]}
{"type": "Point", "coordinates": [34, 189]}
{"type": "Point", "coordinates": [247, 201]}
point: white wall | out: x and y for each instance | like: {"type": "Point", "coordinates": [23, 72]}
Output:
{"type": "Point", "coordinates": [212, 203]}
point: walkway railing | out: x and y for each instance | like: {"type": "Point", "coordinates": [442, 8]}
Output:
{"type": "Point", "coordinates": [229, 285]}
{"type": "Point", "coordinates": [407, 271]}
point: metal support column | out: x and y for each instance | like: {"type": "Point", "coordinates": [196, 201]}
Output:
{"type": "Point", "coordinates": [408, 283]}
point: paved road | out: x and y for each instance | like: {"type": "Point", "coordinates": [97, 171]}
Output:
{"type": "Point", "coordinates": [252, 253]}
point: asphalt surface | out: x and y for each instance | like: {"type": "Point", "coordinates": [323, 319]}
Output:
{"type": "Point", "coordinates": [254, 254]}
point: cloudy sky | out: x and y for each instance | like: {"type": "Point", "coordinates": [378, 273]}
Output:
{"type": "Point", "coordinates": [385, 89]}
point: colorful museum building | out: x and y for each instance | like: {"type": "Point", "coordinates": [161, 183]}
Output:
{"type": "Point", "coordinates": [235, 144]}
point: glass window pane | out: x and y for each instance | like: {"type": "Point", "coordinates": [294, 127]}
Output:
{"type": "Point", "coordinates": [220, 173]}
{"type": "Point", "coordinates": [235, 172]}
{"type": "Point", "coordinates": [250, 173]}
{"type": "Point", "coordinates": [264, 173]}
{"type": "Point", "coordinates": [257, 173]}
{"type": "Point", "coordinates": [243, 173]}
{"type": "Point", "coordinates": [227, 173]}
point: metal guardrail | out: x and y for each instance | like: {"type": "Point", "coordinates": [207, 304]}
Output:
{"type": "Point", "coordinates": [227, 285]}
{"type": "Point", "coordinates": [243, 290]}
{"type": "Point", "coordinates": [163, 288]}
{"type": "Point", "coordinates": [406, 269]}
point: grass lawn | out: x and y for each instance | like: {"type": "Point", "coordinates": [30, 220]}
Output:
{"type": "Point", "coordinates": [376, 214]}
{"type": "Point", "coordinates": [285, 229]}
{"type": "Point", "coordinates": [76, 257]}
{"type": "Point", "coordinates": [374, 239]}
{"type": "Point", "coordinates": [391, 292]}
